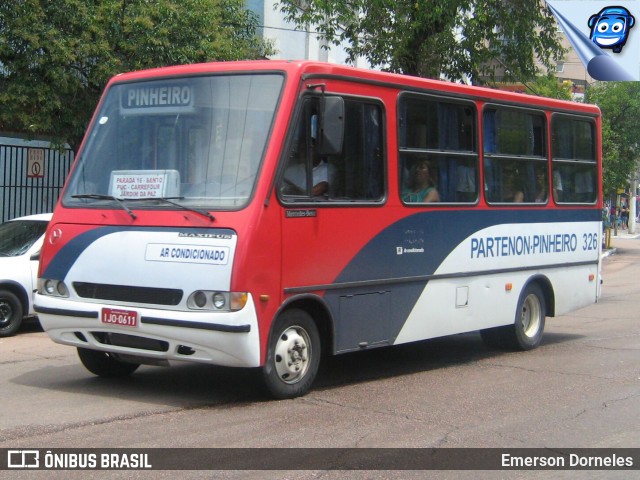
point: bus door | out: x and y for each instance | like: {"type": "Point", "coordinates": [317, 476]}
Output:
{"type": "Point", "coordinates": [332, 188]}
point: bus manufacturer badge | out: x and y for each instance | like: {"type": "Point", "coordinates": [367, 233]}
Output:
{"type": "Point", "coordinates": [301, 213]}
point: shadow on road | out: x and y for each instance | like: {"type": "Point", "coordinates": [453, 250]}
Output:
{"type": "Point", "coordinates": [196, 386]}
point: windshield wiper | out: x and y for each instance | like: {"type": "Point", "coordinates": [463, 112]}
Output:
{"type": "Point", "coordinates": [97, 196]}
{"type": "Point", "coordinates": [170, 201]}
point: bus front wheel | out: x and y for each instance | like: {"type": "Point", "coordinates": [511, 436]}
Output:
{"type": "Point", "coordinates": [528, 327]}
{"type": "Point", "coordinates": [104, 364]}
{"type": "Point", "coordinates": [293, 355]}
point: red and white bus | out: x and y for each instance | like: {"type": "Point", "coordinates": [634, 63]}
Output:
{"type": "Point", "coordinates": [260, 214]}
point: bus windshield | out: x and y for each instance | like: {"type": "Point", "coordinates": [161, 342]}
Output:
{"type": "Point", "coordinates": [198, 141]}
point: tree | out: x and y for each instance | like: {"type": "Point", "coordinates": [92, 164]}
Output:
{"type": "Point", "coordinates": [620, 106]}
{"type": "Point", "coordinates": [55, 57]}
{"type": "Point", "coordinates": [429, 38]}
{"type": "Point", "coordinates": [549, 86]}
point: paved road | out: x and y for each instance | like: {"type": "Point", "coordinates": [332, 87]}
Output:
{"type": "Point", "coordinates": [581, 388]}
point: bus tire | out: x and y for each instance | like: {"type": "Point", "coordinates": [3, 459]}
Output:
{"type": "Point", "coordinates": [528, 327]}
{"type": "Point", "coordinates": [10, 313]}
{"type": "Point", "coordinates": [104, 364]}
{"type": "Point", "coordinates": [293, 355]}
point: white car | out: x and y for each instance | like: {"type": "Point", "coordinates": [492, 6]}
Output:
{"type": "Point", "coordinates": [20, 243]}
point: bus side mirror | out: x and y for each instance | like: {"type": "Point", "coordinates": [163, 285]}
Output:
{"type": "Point", "coordinates": [331, 126]}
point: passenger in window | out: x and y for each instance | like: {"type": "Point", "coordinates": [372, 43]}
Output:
{"type": "Point", "coordinates": [541, 187]}
{"type": "Point", "coordinates": [583, 184]}
{"type": "Point", "coordinates": [513, 190]}
{"type": "Point", "coordinates": [421, 187]}
{"type": "Point", "coordinates": [557, 186]}
{"type": "Point", "coordinates": [466, 185]}
{"type": "Point", "coordinates": [295, 177]}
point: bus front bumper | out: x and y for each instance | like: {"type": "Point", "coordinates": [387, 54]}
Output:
{"type": "Point", "coordinates": [155, 336]}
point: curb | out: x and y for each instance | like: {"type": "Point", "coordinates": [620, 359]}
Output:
{"type": "Point", "coordinates": [614, 250]}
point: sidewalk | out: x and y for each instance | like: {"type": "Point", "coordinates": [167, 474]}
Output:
{"type": "Point", "coordinates": [622, 235]}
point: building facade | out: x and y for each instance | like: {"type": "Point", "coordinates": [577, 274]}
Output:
{"type": "Point", "coordinates": [294, 44]}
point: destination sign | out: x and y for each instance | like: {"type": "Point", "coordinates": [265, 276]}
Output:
{"type": "Point", "coordinates": [144, 183]}
{"type": "Point", "coordinates": [157, 96]}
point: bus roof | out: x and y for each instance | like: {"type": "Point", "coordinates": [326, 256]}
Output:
{"type": "Point", "coordinates": [315, 69]}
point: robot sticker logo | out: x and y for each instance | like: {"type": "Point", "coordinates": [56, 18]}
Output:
{"type": "Point", "coordinates": [610, 27]}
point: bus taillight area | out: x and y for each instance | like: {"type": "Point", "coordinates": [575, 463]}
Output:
{"type": "Point", "coordinates": [151, 335]}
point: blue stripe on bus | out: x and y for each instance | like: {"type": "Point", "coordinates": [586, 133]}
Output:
{"type": "Point", "coordinates": [438, 233]}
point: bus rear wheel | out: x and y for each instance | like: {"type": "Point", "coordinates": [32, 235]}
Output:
{"type": "Point", "coordinates": [105, 364]}
{"type": "Point", "coordinates": [528, 327]}
{"type": "Point", "coordinates": [293, 355]}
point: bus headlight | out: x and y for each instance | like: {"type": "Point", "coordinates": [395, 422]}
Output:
{"type": "Point", "coordinates": [200, 299]}
{"type": "Point", "coordinates": [49, 287]}
{"type": "Point", "coordinates": [53, 288]}
{"type": "Point", "coordinates": [217, 301]}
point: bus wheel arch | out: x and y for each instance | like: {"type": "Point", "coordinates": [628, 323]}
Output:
{"type": "Point", "coordinates": [320, 312]}
{"type": "Point", "coordinates": [297, 339]}
{"type": "Point", "coordinates": [529, 321]}
{"type": "Point", "coordinates": [549, 294]}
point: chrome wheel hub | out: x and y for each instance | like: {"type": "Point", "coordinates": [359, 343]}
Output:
{"type": "Point", "coordinates": [292, 354]}
{"type": "Point", "coordinates": [530, 316]}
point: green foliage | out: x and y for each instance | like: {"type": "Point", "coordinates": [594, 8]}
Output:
{"type": "Point", "coordinates": [549, 86]}
{"type": "Point", "coordinates": [427, 38]}
{"type": "Point", "coordinates": [56, 56]}
{"type": "Point", "coordinates": [620, 105]}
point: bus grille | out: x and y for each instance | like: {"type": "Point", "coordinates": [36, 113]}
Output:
{"type": "Point", "coordinates": [131, 341]}
{"type": "Point", "coordinates": [126, 293]}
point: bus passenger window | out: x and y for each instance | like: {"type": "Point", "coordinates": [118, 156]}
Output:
{"type": "Point", "coordinates": [515, 159]}
{"type": "Point", "coordinates": [574, 159]}
{"type": "Point", "coordinates": [444, 132]}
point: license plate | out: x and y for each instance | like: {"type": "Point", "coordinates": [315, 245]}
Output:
{"type": "Point", "coordinates": [114, 316]}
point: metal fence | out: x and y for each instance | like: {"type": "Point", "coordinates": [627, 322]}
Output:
{"type": "Point", "coordinates": [31, 179]}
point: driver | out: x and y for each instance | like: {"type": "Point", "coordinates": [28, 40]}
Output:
{"type": "Point", "coordinates": [322, 175]}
